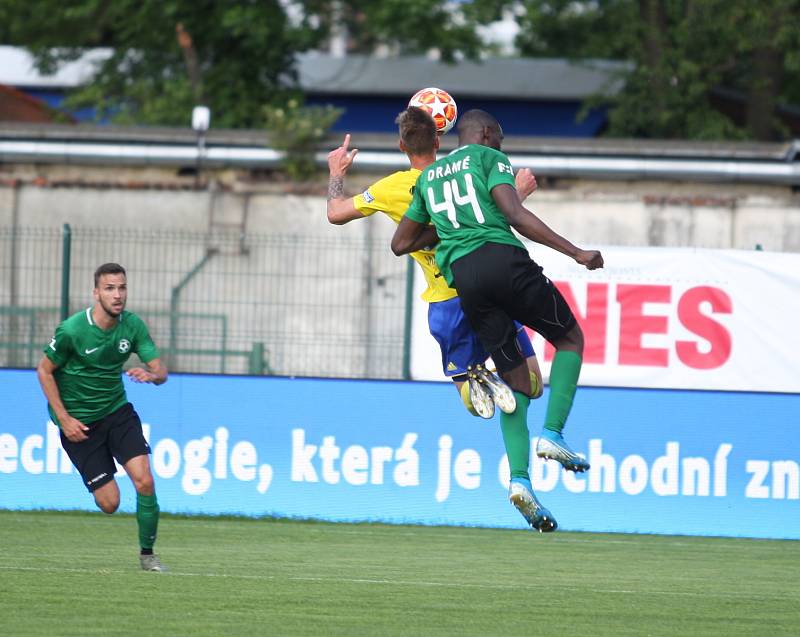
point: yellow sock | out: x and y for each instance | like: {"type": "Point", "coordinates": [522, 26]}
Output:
{"type": "Point", "coordinates": [535, 389]}
{"type": "Point", "coordinates": [466, 399]}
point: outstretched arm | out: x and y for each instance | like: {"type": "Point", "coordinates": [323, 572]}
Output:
{"type": "Point", "coordinates": [411, 236]}
{"type": "Point", "coordinates": [530, 226]}
{"type": "Point", "coordinates": [340, 208]}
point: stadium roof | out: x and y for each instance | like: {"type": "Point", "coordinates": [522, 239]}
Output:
{"type": "Point", "coordinates": [509, 78]}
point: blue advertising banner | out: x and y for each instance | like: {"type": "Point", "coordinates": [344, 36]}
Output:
{"type": "Point", "coordinates": [663, 461]}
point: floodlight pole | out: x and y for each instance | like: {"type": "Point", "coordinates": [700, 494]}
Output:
{"type": "Point", "coordinates": [201, 120]}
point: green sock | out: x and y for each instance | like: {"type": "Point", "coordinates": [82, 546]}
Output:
{"type": "Point", "coordinates": [147, 519]}
{"type": "Point", "coordinates": [516, 437]}
{"type": "Point", "coordinates": [563, 383]}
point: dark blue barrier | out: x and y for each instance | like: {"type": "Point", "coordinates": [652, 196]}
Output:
{"type": "Point", "coordinates": [699, 463]}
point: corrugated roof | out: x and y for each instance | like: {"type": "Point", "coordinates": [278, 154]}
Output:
{"type": "Point", "coordinates": [509, 78]}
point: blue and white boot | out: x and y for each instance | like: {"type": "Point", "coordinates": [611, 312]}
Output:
{"type": "Point", "coordinates": [553, 446]}
{"type": "Point", "coordinates": [520, 494]}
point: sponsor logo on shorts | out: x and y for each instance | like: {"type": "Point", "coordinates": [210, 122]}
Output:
{"type": "Point", "coordinates": [451, 367]}
{"type": "Point", "coordinates": [96, 478]}
{"type": "Point", "coordinates": [124, 346]}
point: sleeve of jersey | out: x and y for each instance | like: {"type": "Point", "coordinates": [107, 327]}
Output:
{"type": "Point", "coordinates": [417, 210]}
{"type": "Point", "coordinates": [144, 346]}
{"type": "Point", "coordinates": [499, 170]}
{"type": "Point", "coordinates": [60, 347]}
{"type": "Point", "coordinates": [373, 199]}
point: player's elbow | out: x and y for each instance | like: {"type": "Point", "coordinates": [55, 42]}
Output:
{"type": "Point", "coordinates": [334, 218]}
{"type": "Point", "coordinates": [339, 213]}
{"type": "Point", "coordinates": [516, 215]}
{"type": "Point", "coordinates": [44, 369]}
{"type": "Point", "coordinates": [399, 246]}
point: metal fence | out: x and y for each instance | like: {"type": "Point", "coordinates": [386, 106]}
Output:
{"type": "Point", "coordinates": [232, 304]}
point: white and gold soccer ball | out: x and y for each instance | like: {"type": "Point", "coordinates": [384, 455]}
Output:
{"type": "Point", "coordinates": [440, 104]}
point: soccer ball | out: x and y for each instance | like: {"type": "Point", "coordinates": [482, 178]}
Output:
{"type": "Point", "coordinates": [440, 104]}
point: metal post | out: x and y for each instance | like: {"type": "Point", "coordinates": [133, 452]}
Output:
{"type": "Point", "coordinates": [256, 363]}
{"type": "Point", "coordinates": [407, 320]}
{"type": "Point", "coordinates": [65, 265]}
{"type": "Point", "coordinates": [13, 278]}
{"type": "Point", "coordinates": [173, 306]}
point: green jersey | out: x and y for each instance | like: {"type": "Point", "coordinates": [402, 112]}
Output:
{"type": "Point", "coordinates": [455, 194]}
{"type": "Point", "coordinates": [89, 362]}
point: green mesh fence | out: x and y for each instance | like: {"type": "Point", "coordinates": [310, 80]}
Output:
{"type": "Point", "coordinates": [233, 304]}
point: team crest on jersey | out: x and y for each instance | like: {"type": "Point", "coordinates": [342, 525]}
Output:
{"type": "Point", "coordinates": [367, 196]}
{"type": "Point", "coordinates": [124, 346]}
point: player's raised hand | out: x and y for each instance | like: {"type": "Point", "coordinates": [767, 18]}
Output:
{"type": "Point", "coordinates": [526, 184]}
{"type": "Point", "coordinates": [592, 259]}
{"type": "Point", "coordinates": [73, 429]}
{"type": "Point", "coordinates": [340, 159]}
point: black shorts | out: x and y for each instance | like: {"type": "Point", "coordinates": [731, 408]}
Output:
{"type": "Point", "coordinates": [499, 283]}
{"type": "Point", "coordinates": [118, 435]}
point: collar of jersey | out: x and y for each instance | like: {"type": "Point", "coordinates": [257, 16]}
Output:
{"type": "Point", "coordinates": [89, 316]}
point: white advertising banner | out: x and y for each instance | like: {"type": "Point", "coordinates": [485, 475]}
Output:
{"type": "Point", "coordinates": [679, 318]}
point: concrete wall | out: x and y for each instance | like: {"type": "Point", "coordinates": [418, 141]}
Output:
{"type": "Point", "coordinates": [324, 300]}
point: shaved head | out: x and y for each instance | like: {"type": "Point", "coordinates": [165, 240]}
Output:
{"type": "Point", "coordinates": [479, 127]}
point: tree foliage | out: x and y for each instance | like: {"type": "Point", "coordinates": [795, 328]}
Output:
{"type": "Point", "coordinates": [297, 129]}
{"type": "Point", "coordinates": [167, 55]}
{"type": "Point", "coordinates": [243, 54]}
{"type": "Point", "coordinates": [702, 69]}
{"type": "Point", "coordinates": [693, 61]}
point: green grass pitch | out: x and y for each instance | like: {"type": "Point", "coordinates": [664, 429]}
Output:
{"type": "Point", "coordinates": [78, 574]}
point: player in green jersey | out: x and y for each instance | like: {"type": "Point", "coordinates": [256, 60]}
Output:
{"type": "Point", "coordinates": [470, 198]}
{"type": "Point", "coordinates": [81, 376]}
{"type": "Point", "coordinates": [461, 350]}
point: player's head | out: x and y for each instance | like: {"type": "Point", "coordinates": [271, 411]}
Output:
{"type": "Point", "coordinates": [418, 136]}
{"type": "Point", "coordinates": [111, 288]}
{"type": "Point", "coordinates": [479, 127]}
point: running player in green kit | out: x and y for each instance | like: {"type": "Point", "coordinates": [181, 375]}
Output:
{"type": "Point", "coordinates": [81, 376]}
{"type": "Point", "coordinates": [470, 198]}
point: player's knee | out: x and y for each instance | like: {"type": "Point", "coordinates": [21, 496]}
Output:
{"type": "Point", "coordinates": [572, 341]}
{"type": "Point", "coordinates": [107, 505]}
{"type": "Point", "coordinates": [144, 485]}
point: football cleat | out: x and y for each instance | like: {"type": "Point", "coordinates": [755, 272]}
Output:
{"type": "Point", "coordinates": [520, 494]}
{"type": "Point", "coordinates": [152, 563]}
{"type": "Point", "coordinates": [552, 445]}
{"type": "Point", "coordinates": [500, 393]}
{"type": "Point", "coordinates": [480, 397]}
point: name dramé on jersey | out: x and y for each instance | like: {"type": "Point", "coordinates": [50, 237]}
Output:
{"type": "Point", "coordinates": [449, 168]}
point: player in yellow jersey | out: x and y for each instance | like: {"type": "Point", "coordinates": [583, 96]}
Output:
{"type": "Point", "coordinates": [461, 350]}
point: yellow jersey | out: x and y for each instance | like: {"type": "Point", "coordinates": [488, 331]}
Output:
{"type": "Point", "coordinates": [391, 196]}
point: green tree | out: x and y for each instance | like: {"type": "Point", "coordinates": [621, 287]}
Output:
{"type": "Point", "coordinates": [405, 26]}
{"type": "Point", "coordinates": [685, 56]}
{"type": "Point", "coordinates": [164, 56]}
{"type": "Point", "coordinates": [243, 54]}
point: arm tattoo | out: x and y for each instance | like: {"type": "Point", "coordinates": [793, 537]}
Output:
{"type": "Point", "coordinates": [335, 188]}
